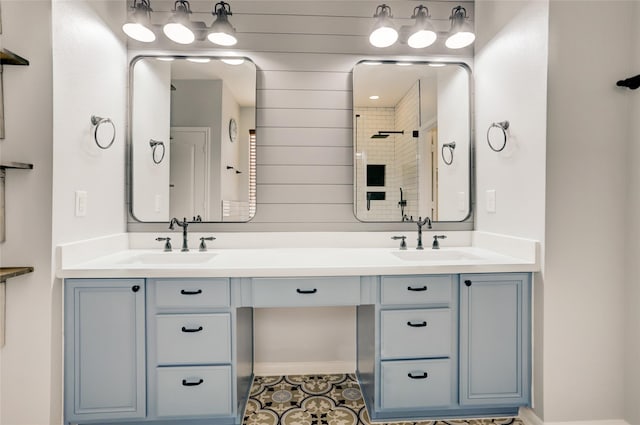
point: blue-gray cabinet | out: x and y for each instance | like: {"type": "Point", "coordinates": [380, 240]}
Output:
{"type": "Point", "coordinates": [439, 346]}
{"type": "Point", "coordinates": [495, 339]}
{"type": "Point", "coordinates": [104, 349]}
{"type": "Point", "coordinates": [156, 351]}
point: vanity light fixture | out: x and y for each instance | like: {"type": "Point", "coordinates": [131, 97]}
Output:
{"type": "Point", "coordinates": [461, 34]}
{"type": "Point", "coordinates": [139, 22]}
{"type": "Point", "coordinates": [177, 29]}
{"type": "Point", "coordinates": [222, 32]}
{"type": "Point", "coordinates": [423, 33]}
{"type": "Point", "coordinates": [383, 33]}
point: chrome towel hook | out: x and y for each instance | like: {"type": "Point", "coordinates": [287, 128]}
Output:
{"type": "Point", "coordinates": [155, 145]}
{"type": "Point", "coordinates": [502, 125]}
{"type": "Point", "coordinates": [450, 147]}
{"type": "Point", "coordinates": [97, 121]}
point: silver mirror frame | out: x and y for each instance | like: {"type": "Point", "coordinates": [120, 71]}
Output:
{"type": "Point", "coordinates": [467, 223]}
{"type": "Point", "coordinates": [133, 224]}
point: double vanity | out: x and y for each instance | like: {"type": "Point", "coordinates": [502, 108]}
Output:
{"type": "Point", "coordinates": [154, 337]}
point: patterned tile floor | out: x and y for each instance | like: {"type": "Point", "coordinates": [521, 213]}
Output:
{"type": "Point", "coordinates": [322, 400]}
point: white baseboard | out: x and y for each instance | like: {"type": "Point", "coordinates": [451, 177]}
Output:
{"type": "Point", "coordinates": [530, 418]}
{"type": "Point", "coordinates": [302, 368]}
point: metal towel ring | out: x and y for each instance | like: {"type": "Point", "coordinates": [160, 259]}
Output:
{"type": "Point", "coordinates": [451, 147]}
{"type": "Point", "coordinates": [97, 122]}
{"type": "Point", "coordinates": [154, 146]}
{"type": "Point", "coordinates": [502, 125]}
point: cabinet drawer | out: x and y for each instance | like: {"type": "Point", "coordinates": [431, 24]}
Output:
{"type": "Point", "coordinates": [194, 391]}
{"type": "Point", "coordinates": [193, 338]}
{"type": "Point", "coordinates": [416, 289]}
{"type": "Point", "coordinates": [193, 293]}
{"type": "Point", "coordinates": [306, 292]}
{"type": "Point", "coordinates": [416, 384]}
{"type": "Point", "coordinates": [415, 333]}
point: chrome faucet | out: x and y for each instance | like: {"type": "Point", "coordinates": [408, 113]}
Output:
{"type": "Point", "coordinates": [421, 223]}
{"type": "Point", "coordinates": [184, 224]}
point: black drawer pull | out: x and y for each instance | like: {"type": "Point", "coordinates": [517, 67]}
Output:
{"type": "Point", "coordinates": [185, 292]}
{"type": "Point", "coordinates": [191, 384]}
{"type": "Point", "coordinates": [467, 282]}
{"type": "Point", "coordinates": [417, 325]}
{"type": "Point", "coordinates": [135, 288]}
{"type": "Point", "coordinates": [307, 291]}
{"type": "Point", "coordinates": [420, 289]}
{"type": "Point", "coordinates": [198, 329]}
{"type": "Point", "coordinates": [423, 376]}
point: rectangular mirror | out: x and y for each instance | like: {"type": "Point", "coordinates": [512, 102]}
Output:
{"type": "Point", "coordinates": [192, 138]}
{"type": "Point", "coordinates": [412, 138]}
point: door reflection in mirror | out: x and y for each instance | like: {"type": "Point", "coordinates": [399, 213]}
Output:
{"type": "Point", "coordinates": [205, 115]}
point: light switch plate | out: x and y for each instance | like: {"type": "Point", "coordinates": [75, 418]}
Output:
{"type": "Point", "coordinates": [81, 203]}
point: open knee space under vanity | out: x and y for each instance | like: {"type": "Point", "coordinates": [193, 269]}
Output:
{"type": "Point", "coordinates": [155, 350]}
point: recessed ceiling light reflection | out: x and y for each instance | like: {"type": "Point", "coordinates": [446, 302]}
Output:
{"type": "Point", "coordinates": [199, 60]}
{"type": "Point", "coordinates": [437, 65]}
{"type": "Point", "coordinates": [233, 61]}
{"type": "Point", "coordinates": [374, 97]}
{"type": "Point", "coordinates": [404, 63]}
{"type": "Point", "coordinates": [165, 59]}
{"type": "Point", "coordinates": [372, 63]}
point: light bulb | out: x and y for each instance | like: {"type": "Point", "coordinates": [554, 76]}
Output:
{"type": "Point", "coordinates": [139, 32]}
{"type": "Point", "coordinates": [460, 39]}
{"type": "Point", "coordinates": [222, 38]}
{"type": "Point", "coordinates": [421, 39]}
{"type": "Point", "coordinates": [179, 33]}
{"type": "Point", "coordinates": [383, 37]}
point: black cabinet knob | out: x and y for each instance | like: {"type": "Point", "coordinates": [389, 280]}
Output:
{"type": "Point", "coordinates": [135, 288]}
{"type": "Point", "coordinates": [467, 282]}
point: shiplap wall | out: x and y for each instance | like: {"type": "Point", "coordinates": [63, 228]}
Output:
{"type": "Point", "coordinates": [305, 52]}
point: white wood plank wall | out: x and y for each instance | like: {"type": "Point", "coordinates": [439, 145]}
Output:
{"type": "Point", "coordinates": [305, 52]}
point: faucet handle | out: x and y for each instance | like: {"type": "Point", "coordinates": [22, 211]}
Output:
{"type": "Point", "coordinates": [403, 243]}
{"type": "Point", "coordinates": [167, 243]}
{"type": "Point", "coordinates": [203, 246]}
{"type": "Point", "coordinates": [436, 244]}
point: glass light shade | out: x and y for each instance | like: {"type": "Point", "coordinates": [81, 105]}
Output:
{"type": "Point", "coordinates": [461, 33]}
{"type": "Point", "coordinates": [139, 32]}
{"type": "Point", "coordinates": [422, 38]}
{"type": "Point", "coordinates": [179, 33]}
{"type": "Point", "coordinates": [460, 39]}
{"type": "Point", "coordinates": [222, 32]}
{"type": "Point", "coordinates": [383, 36]}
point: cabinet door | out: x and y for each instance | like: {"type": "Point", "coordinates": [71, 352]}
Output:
{"type": "Point", "coordinates": [104, 349]}
{"type": "Point", "coordinates": [494, 339]}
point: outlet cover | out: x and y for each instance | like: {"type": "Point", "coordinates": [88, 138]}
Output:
{"type": "Point", "coordinates": [491, 201]}
{"type": "Point", "coordinates": [81, 203]}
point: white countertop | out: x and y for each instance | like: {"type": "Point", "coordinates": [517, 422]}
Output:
{"type": "Point", "coordinates": [124, 261]}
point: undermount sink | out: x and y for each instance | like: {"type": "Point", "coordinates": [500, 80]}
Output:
{"type": "Point", "coordinates": [169, 258]}
{"type": "Point", "coordinates": [435, 255]}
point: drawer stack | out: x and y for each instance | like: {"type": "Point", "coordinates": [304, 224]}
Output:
{"type": "Point", "coordinates": [417, 342]}
{"type": "Point", "coordinates": [191, 348]}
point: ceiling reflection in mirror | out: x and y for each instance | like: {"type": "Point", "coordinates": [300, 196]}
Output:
{"type": "Point", "coordinates": [411, 141]}
{"type": "Point", "coordinates": [192, 138]}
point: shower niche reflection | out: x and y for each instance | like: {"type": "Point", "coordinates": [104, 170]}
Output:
{"type": "Point", "coordinates": [404, 117]}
